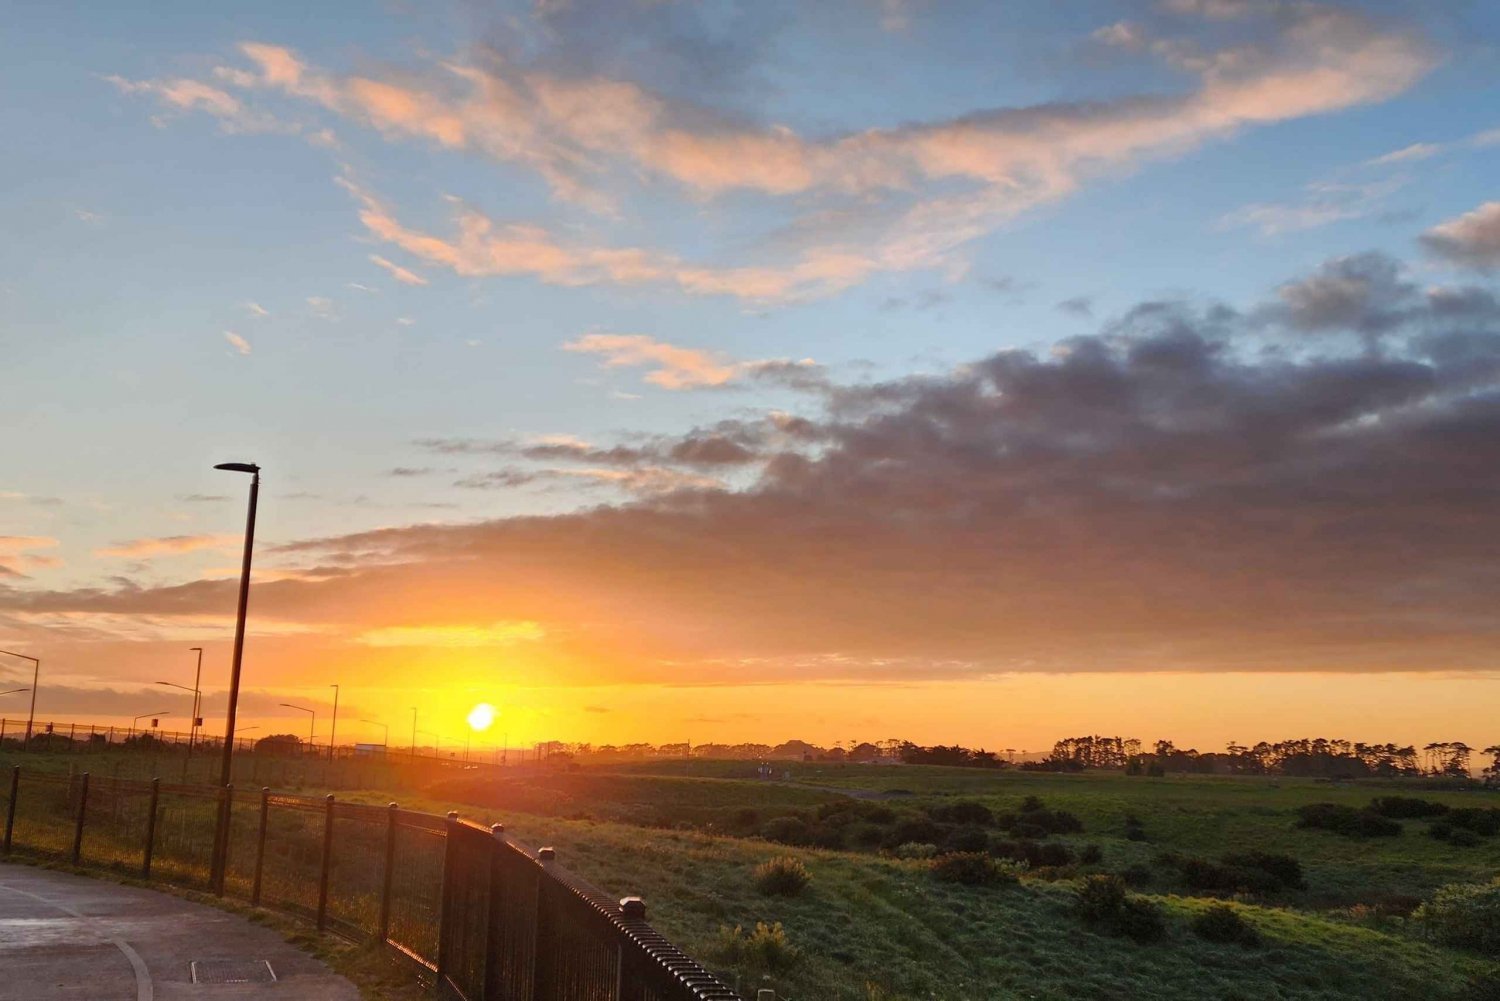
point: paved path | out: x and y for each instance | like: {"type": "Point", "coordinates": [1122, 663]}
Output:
{"type": "Point", "coordinates": [72, 938]}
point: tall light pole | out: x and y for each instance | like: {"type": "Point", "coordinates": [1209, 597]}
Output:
{"type": "Point", "coordinates": [312, 725]}
{"type": "Point", "coordinates": [185, 688]}
{"type": "Point", "coordinates": [384, 726]}
{"type": "Point", "coordinates": [333, 727]}
{"type": "Point", "coordinates": [239, 626]}
{"type": "Point", "coordinates": [36, 673]}
{"type": "Point", "coordinates": [414, 733]}
{"type": "Point", "coordinates": [197, 699]}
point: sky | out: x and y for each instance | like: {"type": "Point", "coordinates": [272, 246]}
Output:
{"type": "Point", "coordinates": [661, 370]}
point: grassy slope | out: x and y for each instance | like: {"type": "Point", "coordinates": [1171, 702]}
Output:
{"type": "Point", "coordinates": [877, 928]}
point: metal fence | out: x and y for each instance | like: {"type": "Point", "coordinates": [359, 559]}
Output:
{"type": "Point", "coordinates": [486, 918]}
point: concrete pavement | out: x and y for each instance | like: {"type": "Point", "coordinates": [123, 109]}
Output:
{"type": "Point", "coordinates": [72, 938]}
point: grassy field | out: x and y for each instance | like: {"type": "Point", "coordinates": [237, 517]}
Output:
{"type": "Point", "coordinates": [873, 926]}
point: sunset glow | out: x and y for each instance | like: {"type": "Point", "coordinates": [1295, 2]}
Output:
{"type": "Point", "coordinates": [674, 372]}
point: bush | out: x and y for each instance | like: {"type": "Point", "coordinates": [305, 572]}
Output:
{"type": "Point", "coordinates": [1464, 915]}
{"type": "Point", "coordinates": [1100, 898]}
{"type": "Point", "coordinates": [764, 950]}
{"type": "Point", "coordinates": [789, 830]}
{"type": "Point", "coordinates": [1459, 837]}
{"type": "Point", "coordinates": [967, 840]}
{"type": "Point", "coordinates": [1222, 923]}
{"type": "Point", "coordinates": [1284, 870]}
{"type": "Point", "coordinates": [1346, 820]}
{"type": "Point", "coordinates": [783, 876]}
{"type": "Point", "coordinates": [914, 850]}
{"type": "Point", "coordinates": [1482, 822]}
{"type": "Point", "coordinates": [1091, 855]}
{"type": "Point", "coordinates": [971, 869]}
{"type": "Point", "coordinates": [1406, 807]}
{"type": "Point", "coordinates": [1141, 920]}
{"type": "Point", "coordinates": [918, 829]}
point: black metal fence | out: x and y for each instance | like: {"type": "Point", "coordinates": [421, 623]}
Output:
{"type": "Point", "coordinates": [486, 918]}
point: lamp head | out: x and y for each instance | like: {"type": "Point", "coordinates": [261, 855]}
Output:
{"type": "Point", "coordinates": [239, 467]}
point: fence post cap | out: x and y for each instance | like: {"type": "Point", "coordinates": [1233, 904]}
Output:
{"type": "Point", "coordinates": [392, 806]}
{"type": "Point", "coordinates": [329, 798]}
{"type": "Point", "coordinates": [546, 853]}
{"type": "Point", "coordinates": [452, 814]}
{"type": "Point", "coordinates": [633, 907]}
{"type": "Point", "coordinates": [497, 829]}
{"type": "Point", "coordinates": [265, 789]}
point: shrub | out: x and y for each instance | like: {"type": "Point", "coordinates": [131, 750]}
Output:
{"type": "Point", "coordinates": [971, 869]}
{"type": "Point", "coordinates": [783, 876]}
{"type": "Point", "coordinates": [789, 830]}
{"type": "Point", "coordinates": [1139, 874]}
{"type": "Point", "coordinates": [1141, 920]}
{"type": "Point", "coordinates": [1091, 855]}
{"type": "Point", "coordinates": [764, 950]}
{"type": "Point", "coordinates": [1465, 915]}
{"type": "Point", "coordinates": [915, 850]}
{"type": "Point", "coordinates": [1346, 820]}
{"type": "Point", "coordinates": [965, 811]}
{"type": "Point", "coordinates": [918, 829]}
{"type": "Point", "coordinates": [1406, 807]}
{"type": "Point", "coordinates": [1222, 923]}
{"type": "Point", "coordinates": [967, 840]}
{"type": "Point", "coordinates": [1480, 821]}
{"type": "Point", "coordinates": [1100, 898]}
{"type": "Point", "coordinates": [1284, 870]}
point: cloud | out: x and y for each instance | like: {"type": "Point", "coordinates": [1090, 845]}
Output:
{"type": "Point", "coordinates": [256, 309]}
{"type": "Point", "coordinates": [1079, 305]}
{"type": "Point", "coordinates": [1323, 203]}
{"type": "Point", "coordinates": [868, 200]}
{"type": "Point", "coordinates": [1471, 240]}
{"type": "Point", "coordinates": [17, 555]}
{"type": "Point", "coordinates": [1188, 488]}
{"type": "Point", "coordinates": [397, 272]}
{"type": "Point", "coordinates": [674, 367]}
{"type": "Point", "coordinates": [237, 342]}
{"type": "Point", "coordinates": [184, 95]}
{"type": "Point", "coordinates": [172, 545]}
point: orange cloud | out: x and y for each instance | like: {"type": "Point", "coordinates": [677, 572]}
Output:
{"type": "Point", "coordinates": [16, 556]}
{"type": "Point", "coordinates": [1472, 239]}
{"type": "Point", "coordinates": [397, 272]}
{"type": "Point", "coordinates": [171, 545]}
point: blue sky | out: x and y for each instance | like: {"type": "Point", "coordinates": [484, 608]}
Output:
{"type": "Point", "coordinates": [241, 234]}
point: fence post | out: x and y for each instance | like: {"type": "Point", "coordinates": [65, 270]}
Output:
{"type": "Point", "coordinates": [494, 916]}
{"type": "Point", "coordinates": [10, 808]}
{"type": "Point", "coordinates": [151, 829]}
{"type": "Point", "coordinates": [260, 844]}
{"type": "Point", "coordinates": [445, 914]}
{"type": "Point", "coordinates": [83, 805]}
{"type": "Point", "coordinates": [327, 861]}
{"type": "Point", "coordinates": [627, 987]}
{"type": "Point", "coordinates": [544, 956]}
{"type": "Point", "coordinates": [390, 868]}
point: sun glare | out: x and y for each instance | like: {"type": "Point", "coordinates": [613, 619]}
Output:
{"type": "Point", "coordinates": [481, 716]}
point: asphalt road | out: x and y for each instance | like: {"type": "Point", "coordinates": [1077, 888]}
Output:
{"type": "Point", "coordinates": [71, 938]}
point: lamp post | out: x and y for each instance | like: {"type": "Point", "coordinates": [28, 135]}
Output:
{"type": "Point", "coordinates": [311, 725]}
{"type": "Point", "coordinates": [15, 690]}
{"type": "Point", "coordinates": [414, 733]}
{"type": "Point", "coordinates": [36, 672]}
{"type": "Point", "coordinates": [386, 741]}
{"type": "Point", "coordinates": [137, 719]}
{"type": "Point", "coordinates": [333, 728]}
{"type": "Point", "coordinates": [194, 691]}
{"type": "Point", "coordinates": [197, 699]}
{"type": "Point", "coordinates": [239, 626]}
{"type": "Point", "coordinates": [437, 742]}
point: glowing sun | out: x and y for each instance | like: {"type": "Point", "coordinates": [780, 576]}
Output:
{"type": "Point", "coordinates": [481, 716]}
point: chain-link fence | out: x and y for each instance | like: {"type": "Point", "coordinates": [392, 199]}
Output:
{"type": "Point", "coordinates": [485, 917]}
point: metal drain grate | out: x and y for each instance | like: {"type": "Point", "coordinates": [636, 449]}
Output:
{"type": "Point", "coordinates": [233, 971]}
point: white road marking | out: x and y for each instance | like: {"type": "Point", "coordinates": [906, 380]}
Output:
{"type": "Point", "coordinates": [144, 991]}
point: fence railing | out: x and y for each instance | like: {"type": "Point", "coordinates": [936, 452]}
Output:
{"type": "Point", "coordinates": [486, 918]}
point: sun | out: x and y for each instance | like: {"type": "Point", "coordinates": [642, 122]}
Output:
{"type": "Point", "coordinates": [481, 716]}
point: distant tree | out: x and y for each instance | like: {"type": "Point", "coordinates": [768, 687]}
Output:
{"type": "Point", "coordinates": [1492, 770]}
{"type": "Point", "coordinates": [278, 743]}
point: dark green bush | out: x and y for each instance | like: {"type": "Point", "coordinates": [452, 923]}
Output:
{"type": "Point", "coordinates": [1141, 920]}
{"type": "Point", "coordinates": [1100, 898]}
{"type": "Point", "coordinates": [968, 840]}
{"type": "Point", "coordinates": [788, 830]}
{"type": "Point", "coordinates": [1222, 923]}
{"type": "Point", "coordinates": [965, 812]}
{"type": "Point", "coordinates": [1402, 807]}
{"type": "Point", "coordinates": [971, 869]}
{"type": "Point", "coordinates": [1465, 915]}
{"type": "Point", "coordinates": [783, 876]}
{"type": "Point", "coordinates": [1485, 823]}
{"type": "Point", "coordinates": [1346, 820]}
{"type": "Point", "coordinates": [1091, 855]}
{"type": "Point", "coordinates": [1285, 870]}
{"type": "Point", "coordinates": [909, 829]}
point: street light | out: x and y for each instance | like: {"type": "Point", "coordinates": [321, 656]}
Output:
{"type": "Point", "coordinates": [333, 727]}
{"type": "Point", "coordinates": [239, 626]}
{"type": "Point", "coordinates": [312, 723]}
{"type": "Point", "coordinates": [35, 674]}
{"type": "Point", "coordinates": [193, 723]}
{"type": "Point", "coordinates": [437, 742]}
{"type": "Point", "coordinates": [141, 717]}
{"type": "Point", "coordinates": [15, 690]}
{"type": "Point", "coordinates": [386, 742]}
{"type": "Point", "coordinates": [414, 733]}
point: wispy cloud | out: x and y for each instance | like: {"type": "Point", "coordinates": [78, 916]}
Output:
{"type": "Point", "coordinates": [397, 272]}
{"type": "Point", "coordinates": [1471, 240]}
{"type": "Point", "coordinates": [237, 342]}
{"type": "Point", "coordinates": [256, 309]}
{"type": "Point", "coordinates": [494, 634]}
{"type": "Point", "coordinates": [171, 545]}
{"type": "Point", "coordinates": [672, 366]}
{"type": "Point", "coordinates": [17, 554]}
